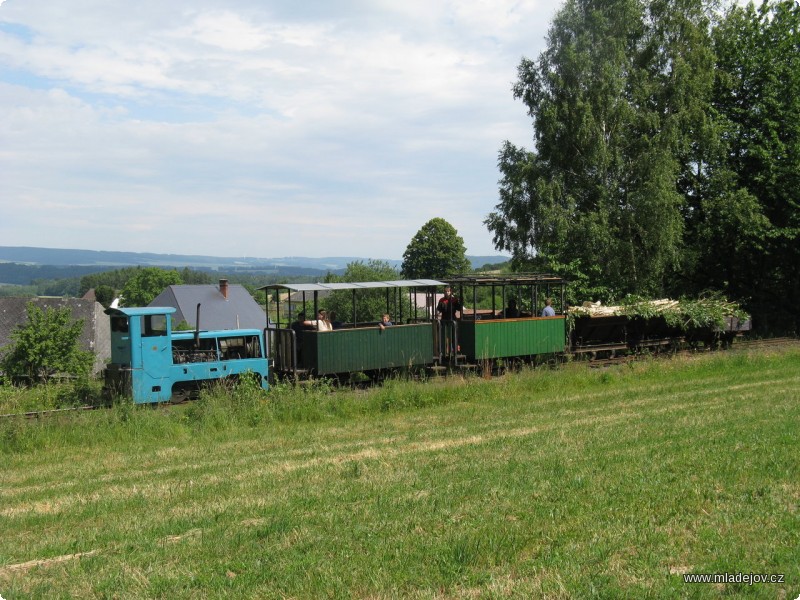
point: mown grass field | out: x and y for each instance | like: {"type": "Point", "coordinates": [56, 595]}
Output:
{"type": "Point", "coordinates": [574, 483]}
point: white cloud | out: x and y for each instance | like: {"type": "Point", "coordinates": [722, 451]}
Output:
{"type": "Point", "coordinates": [224, 30]}
{"type": "Point", "coordinates": [250, 128]}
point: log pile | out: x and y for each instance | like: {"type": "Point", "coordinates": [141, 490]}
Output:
{"type": "Point", "coordinates": [596, 309]}
{"type": "Point", "coordinates": [703, 312]}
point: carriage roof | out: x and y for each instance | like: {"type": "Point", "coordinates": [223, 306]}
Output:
{"type": "Point", "coordinates": [507, 279]}
{"type": "Point", "coordinates": [362, 285]}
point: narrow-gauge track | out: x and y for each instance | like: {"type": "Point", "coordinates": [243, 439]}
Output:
{"type": "Point", "coordinates": [36, 414]}
{"type": "Point", "coordinates": [780, 343]}
{"type": "Point", "coordinates": [741, 345]}
{"type": "Point", "coordinates": [767, 343]}
{"type": "Point", "coordinates": [54, 412]}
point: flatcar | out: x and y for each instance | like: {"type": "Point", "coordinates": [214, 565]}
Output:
{"type": "Point", "coordinates": [152, 363]}
{"type": "Point", "coordinates": [598, 330]}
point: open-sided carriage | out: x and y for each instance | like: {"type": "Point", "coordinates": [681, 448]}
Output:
{"type": "Point", "coordinates": [356, 344]}
{"type": "Point", "coordinates": [502, 317]}
{"type": "Point", "coordinates": [483, 329]}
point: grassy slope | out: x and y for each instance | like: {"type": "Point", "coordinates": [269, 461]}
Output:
{"type": "Point", "coordinates": [569, 484]}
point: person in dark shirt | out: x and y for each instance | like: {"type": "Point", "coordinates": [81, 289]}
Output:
{"type": "Point", "coordinates": [449, 309]}
{"type": "Point", "coordinates": [335, 322]}
{"type": "Point", "coordinates": [298, 326]}
{"type": "Point", "coordinates": [448, 306]}
{"type": "Point", "coordinates": [511, 312]}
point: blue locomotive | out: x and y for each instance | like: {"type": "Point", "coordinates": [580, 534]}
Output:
{"type": "Point", "coordinates": [151, 363]}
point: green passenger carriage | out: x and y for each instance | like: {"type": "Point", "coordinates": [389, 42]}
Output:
{"type": "Point", "coordinates": [359, 344]}
{"type": "Point", "coordinates": [483, 329]}
{"type": "Point", "coordinates": [487, 329]}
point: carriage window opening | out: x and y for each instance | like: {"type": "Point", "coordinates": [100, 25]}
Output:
{"type": "Point", "coordinates": [155, 325]}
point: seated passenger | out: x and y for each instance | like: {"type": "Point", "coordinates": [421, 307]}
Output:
{"type": "Point", "coordinates": [511, 312]}
{"type": "Point", "coordinates": [334, 323]}
{"type": "Point", "coordinates": [386, 321]}
{"type": "Point", "coordinates": [548, 310]}
{"type": "Point", "coordinates": [300, 324]}
{"type": "Point", "coordinates": [321, 323]}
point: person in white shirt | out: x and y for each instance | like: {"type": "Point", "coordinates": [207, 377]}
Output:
{"type": "Point", "coordinates": [321, 323]}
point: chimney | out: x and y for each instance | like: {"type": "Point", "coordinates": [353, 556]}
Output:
{"type": "Point", "coordinates": [223, 288]}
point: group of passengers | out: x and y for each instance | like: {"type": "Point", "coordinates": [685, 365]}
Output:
{"type": "Point", "coordinates": [449, 308]}
{"type": "Point", "coordinates": [323, 322]}
{"type": "Point", "coordinates": [326, 321]}
{"type": "Point", "coordinates": [512, 312]}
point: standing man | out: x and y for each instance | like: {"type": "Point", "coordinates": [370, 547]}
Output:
{"type": "Point", "coordinates": [448, 306]}
{"type": "Point", "coordinates": [448, 310]}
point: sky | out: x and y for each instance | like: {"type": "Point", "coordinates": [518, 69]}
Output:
{"type": "Point", "coordinates": [258, 128]}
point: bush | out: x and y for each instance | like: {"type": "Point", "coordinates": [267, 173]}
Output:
{"type": "Point", "coordinates": [47, 344]}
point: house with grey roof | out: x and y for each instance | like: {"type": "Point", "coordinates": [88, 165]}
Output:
{"type": "Point", "coordinates": [96, 335]}
{"type": "Point", "coordinates": [222, 306]}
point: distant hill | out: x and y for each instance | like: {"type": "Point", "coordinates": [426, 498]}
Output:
{"type": "Point", "coordinates": [479, 261]}
{"type": "Point", "coordinates": [107, 258]}
{"type": "Point", "coordinates": [22, 264]}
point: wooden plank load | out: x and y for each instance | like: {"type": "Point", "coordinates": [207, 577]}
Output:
{"type": "Point", "coordinates": [638, 323]}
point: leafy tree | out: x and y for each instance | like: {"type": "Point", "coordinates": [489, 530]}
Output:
{"type": "Point", "coordinates": [617, 100]}
{"type": "Point", "coordinates": [105, 295]}
{"type": "Point", "coordinates": [147, 283]}
{"type": "Point", "coordinates": [17, 291]}
{"type": "Point", "coordinates": [435, 252]}
{"type": "Point", "coordinates": [45, 345]}
{"type": "Point", "coordinates": [192, 277]}
{"type": "Point", "coordinates": [372, 270]}
{"type": "Point", "coordinates": [749, 234]}
{"type": "Point", "coordinates": [115, 278]}
{"type": "Point", "coordinates": [504, 267]}
{"type": "Point", "coordinates": [68, 287]}
{"type": "Point", "coordinates": [370, 304]}
{"type": "Point", "coordinates": [183, 326]}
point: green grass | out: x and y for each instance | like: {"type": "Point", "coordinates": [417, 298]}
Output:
{"type": "Point", "coordinates": [558, 484]}
{"type": "Point", "coordinates": [17, 400]}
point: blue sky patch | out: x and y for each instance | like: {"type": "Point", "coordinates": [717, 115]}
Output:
{"type": "Point", "coordinates": [17, 30]}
